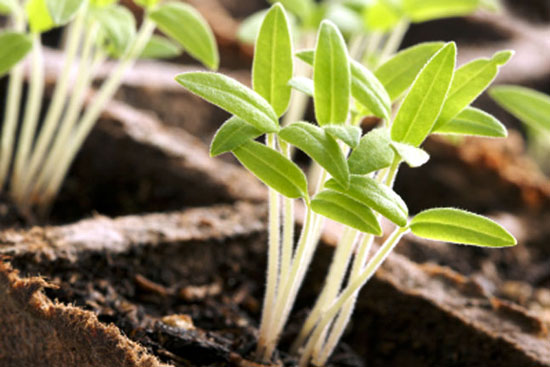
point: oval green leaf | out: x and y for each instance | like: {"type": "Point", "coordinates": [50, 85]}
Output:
{"type": "Point", "coordinates": [160, 48]}
{"type": "Point", "coordinates": [320, 146]}
{"type": "Point", "coordinates": [233, 133]}
{"type": "Point", "coordinates": [14, 48]}
{"type": "Point", "coordinates": [273, 60]}
{"type": "Point", "coordinates": [369, 91]}
{"type": "Point", "coordinates": [350, 135]}
{"type": "Point", "coordinates": [62, 11]}
{"type": "Point", "coordinates": [374, 152]}
{"type": "Point", "coordinates": [38, 16]}
{"type": "Point", "coordinates": [424, 10]}
{"type": "Point", "coordinates": [118, 26]}
{"type": "Point", "coordinates": [250, 26]}
{"type": "Point", "coordinates": [382, 15]}
{"type": "Point", "coordinates": [331, 76]}
{"type": "Point", "coordinates": [233, 97]}
{"type": "Point", "coordinates": [460, 226]}
{"type": "Point", "coordinates": [184, 24]}
{"type": "Point", "coordinates": [302, 84]}
{"type": "Point", "coordinates": [414, 157]}
{"type": "Point", "coordinates": [423, 103]}
{"type": "Point", "coordinates": [472, 121]}
{"type": "Point", "coordinates": [376, 196]}
{"type": "Point", "coordinates": [342, 209]}
{"type": "Point", "coordinates": [273, 169]}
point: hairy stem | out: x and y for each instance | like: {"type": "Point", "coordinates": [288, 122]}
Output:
{"type": "Point", "coordinates": [288, 229]}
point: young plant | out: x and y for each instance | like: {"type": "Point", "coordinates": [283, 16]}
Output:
{"type": "Point", "coordinates": [96, 30]}
{"type": "Point", "coordinates": [357, 172]}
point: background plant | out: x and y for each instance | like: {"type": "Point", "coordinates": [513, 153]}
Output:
{"type": "Point", "coordinates": [39, 158]}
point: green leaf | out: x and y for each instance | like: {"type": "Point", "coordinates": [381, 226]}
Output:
{"type": "Point", "coordinates": [398, 73]}
{"type": "Point", "coordinates": [350, 135]}
{"type": "Point", "coordinates": [306, 56]}
{"type": "Point", "coordinates": [273, 62]}
{"type": "Point", "coordinates": [369, 91]}
{"type": "Point", "coordinates": [340, 208]}
{"type": "Point", "coordinates": [320, 146]}
{"type": "Point", "coordinates": [186, 25]}
{"type": "Point", "coordinates": [459, 226]}
{"type": "Point", "coordinates": [423, 103]}
{"type": "Point", "coordinates": [300, 8]}
{"type": "Point", "coordinates": [118, 26]}
{"type": "Point", "coordinates": [374, 152]}
{"type": "Point", "coordinates": [376, 196]}
{"type": "Point", "coordinates": [302, 84]}
{"type": "Point", "coordinates": [273, 169]}
{"type": "Point", "coordinates": [62, 11]}
{"type": "Point", "coordinates": [469, 81]}
{"type": "Point", "coordinates": [528, 105]}
{"type": "Point", "coordinates": [14, 48]}
{"type": "Point", "coordinates": [424, 10]}
{"type": "Point", "coordinates": [8, 6]}
{"type": "Point", "coordinates": [331, 76]}
{"type": "Point", "coordinates": [102, 3]}
{"type": "Point", "coordinates": [414, 157]}
{"type": "Point", "coordinates": [233, 133]}
{"type": "Point", "coordinates": [38, 16]}
{"type": "Point", "coordinates": [382, 15]}
{"type": "Point", "coordinates": [250, 26]}
{"type": "Point", "coordinates": [160, 48]}
{"type": "Point", "coordinates": [472, 121]}
{"type": "Point", "coordinates": [147, 4]}
{"type": "Point", "coordinates": [233, 97]}
{"type": "Point", "coordinates": [347, 20]}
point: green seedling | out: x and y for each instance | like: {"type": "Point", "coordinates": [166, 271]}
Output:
{"type": "Point", "coordinates": [95, 30]}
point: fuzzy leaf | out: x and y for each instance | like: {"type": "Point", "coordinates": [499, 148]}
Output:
{"type": "Point", "coordinates": [369, 91]}
{"type": "Point", "coordinates": [185, 24]}
{"type": "Point", "coordinates": [472, 121]}
{"type": "Point", "coordinates": [341, 208]}
{"type": "Point", "coordinates": [423, 103]}
{"type": "Point", "coordinates": [331, 76]}
{"type": "Point", "coordinates": [160, 48]}
{"type": "Point", "coordinates": [231, 135]}
{"type": "Point", "coordinates": [373, 153]}
{"type": "Point", "coordinates": [273, 63]}
{"type": "Point", "coordinates": [302, 84]}
{"type": "Point", "coordinates": [469, 81]}
{"type": "Point", "coordinates": [14, 48]}
{"type": "Point", "coordinates": [62, 11]}
{"type": "Point", "coordinates": [424, 10]}
{"type": "Point", "coordinates": [233, 97]}
{"type": "Point", "coordinates": [398, 73]}
{"type": "Point", "coordinates": [119, 27]}
{"type": "Point", "coordinates": [350, 135]}
{"type": "Point", "coordinates": [528, 105]}
{"type": "Point", "coordinates": [320, 146]}
{"type": "Point", "coordinates": [414, 157]}
{"type": "Point", "coordinates": [38, 16]}
{"type": "Point", "coordinates": [459, 226]}
{"type": "Point", "coordinates": [273, 169]}
{"type": "Point", "coordinates": [376, 196]}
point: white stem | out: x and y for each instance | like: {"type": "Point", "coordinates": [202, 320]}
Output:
{"type": "Point", "coordinates": [288, 229]}
{"type": "Point", "coordinates": [394, 41]}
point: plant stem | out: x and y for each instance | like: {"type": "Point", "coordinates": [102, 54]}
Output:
{"type": "Point", "coordinates": [288, 229]}
{"type": "Point", "coordinates": [394, 41]}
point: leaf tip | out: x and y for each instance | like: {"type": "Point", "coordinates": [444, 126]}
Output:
{"type": "Point", "coordinates": [502, 57]}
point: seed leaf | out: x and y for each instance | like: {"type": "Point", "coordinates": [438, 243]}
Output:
{"type": "Point", "coordinates": [424, 10]}
{"type": "Point", "coordinates": [414, 157]}
{"type": "Point", "coordinates": [469, 81]}
{"type": "Point", "coordinates": [528, 105]}
{"type": "Point", "coordinates": [250, 26]}
{"type": "Point", "coordinates": [147, 4]}
{"type": "Point", "coordinates": [320, 146]}
{"type": "Point", "coordinates": [300, 8]}
{"type": "Point", "coordinates": [472, 121]}
{"type": "Point", "coordinates": [62, 11]}
{"type": "Point", "coordinates": [376, 196]}
{"type": "Point", "coordinates": [381, 15]}
{"type": "Point", "coordinates": [273, 169]}
{"type": "Point", "coordinates": [460, 226]}
{"type": "Point", "coordinates": [119, 27]}
{"type": "Point", "coordinates": [341, 208]}
{"type": "Point", "coordinates": [38, 16]}
{"type": "Point", "coordinates": [185, 24]}
{"type": "Point", "coordinates": [160, 48]}
{"type": "Point", "coordinates": [350, 135]}
{"type": "Point", "coordinates": [233, 97]}
{"type": "Point", "coordinates": [373, 153]}
{"type": "Point", "coordinates": [369, 91]}
{"type": "Point", "coordinates": [331, 76]}
{"type": "Point", "coordinates": [398, 73]}
{"type": "Point", "coordinates": [422, 104]}
{"type": "Point", "coordinates": [273, 63]}
{"type": "Point", "coordinates": [14, 48]}
{"type": "Point", "coordinates": [302, 84]}
{"type": "Point", "coordinates": [231, 135]}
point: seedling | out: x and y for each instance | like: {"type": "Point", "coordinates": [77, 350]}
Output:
{"type": "Point", "coordinates": [355, 184]}
{"type": "Point", "coordinates": [96, 30]}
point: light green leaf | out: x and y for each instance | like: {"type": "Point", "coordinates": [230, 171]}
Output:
{"type": "Point", "coordinates": [374, 152]}
{"type": "Point", "coordinates": [367, 90]}
{"type": "Point", "coordinates": [185, 24]}
{"type": "Point", "coordinates": [376, 196]}
{"type": "Point", "coordinates": [302, 84]}
{"type": "Point", "coordinates": [250, 26]}
{"type": "Point", "coordinates": [331, 76]}
{"type": "Point", "coordinates": [398, 73]}
{"type": "Point", "coordinates": [414, 157]}
{"type": "Point", "coordinates": [469, 81]}
{"type": "Point", "coordinates": [273, 169]}
{"type": "Point", "coordinates": [350, 135]}
{"type": "Point", "coordinates": [340, 208]}
{"type": "Point", "coordinates": [233, 133]}
{"type": "Point", "coordinates": [118, 26]}
{"type": "Point", "coordinates": [300, 8]}
{"type": "Point", "coordinates": [472, 121]}
{"type": "Point", "coordinates": [102, 3]}
{"type": "Point", "coordinates": [424, 10]}
{"type": "Point", "coordinates": [160, 48]}
{"type": "Point", "coordinates": [273, 62]}
{"type": "Point", "coordinates": [382, 15]}
{"type": "Point", "coordinates": [38, 16]}
{"type": "Point", "coordinates": [306, 56]}
{"type": "Point", "coordinates": [62, 11]}
{"type": "Point", "coordinates": [147, 4]}
{"type": "Point", "coordinates": [8, 6]}
{"type": "Point", "coordinates": [460, 226]}
{"type": "Point", "coordinates": [320, 146]}
{"type": "Point", "coordinates": [233, 97]}
{"type": "Point", "coordinates": [528, 105]}
{"type": "Point", "coordinates": [347, 20]}
{"type": "Point", "coordinates": [14, 48]}
{"type": "Point", "coordinates": [422, 105]}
